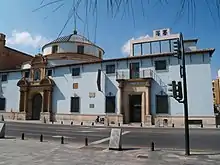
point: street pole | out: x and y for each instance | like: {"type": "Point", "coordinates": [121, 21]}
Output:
{"type": "Point", "coordinates": [185, 101]}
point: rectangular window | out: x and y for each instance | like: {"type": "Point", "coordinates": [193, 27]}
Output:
{"type": "Point", "coordinates": [54, 49]}
{"type": "Point", "coordinates": [137, 49]}
{"type": "Point", "coordinates": [91, 106]}
{"type": "Point", "coordinates": [155, 47]}
{"type": "Point", "coordinates": [110, 104]}
{"type": "Point", "coordinates": [162, 104]}
{"type": "Point", "coordinates": [110, 69]}
{"type": "Point", "coordinates": [165, 46]}
{"type": "Point", "coordinates": [75, 71]}
{"type": "Point", "coordinates": [4, 77]}
{"type": "Point", "coordinates": [160, 65]}
{"type": "Point", "coordinates": [134, 70]}
{"type": "Point", "coordinates": [146, 48]}
{"type": "Point", "coordinates": [80, 49]}
{"type": "Point", "coordinates": [75, 102]}
{"type": "Point", "coordinates": [26, 74]}
{"type": "Point", "coordinates": [49, 72]}
{"type": "Point", "coordinates": [2, 104]}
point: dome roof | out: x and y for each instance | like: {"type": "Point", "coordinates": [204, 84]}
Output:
{"type": "Point", "coordinates": [72, 38]}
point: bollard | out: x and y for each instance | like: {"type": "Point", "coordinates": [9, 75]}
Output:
{"type": "Point", "coordinates": [173, 125]}
{"type": "Point", "coordinates": [62, 140]}
{"type": "Point", "coordinates": [61, 122]}
{"type": "Point", "coordinates": [81, 123]}
{"type": "Point", "coordinates": [108, 124]}
{"type": "Point", "coordinates": [92, 123]}
{"type": "Point", "coordinates": [86, 141]}
{"type": "Point", "coordinates": [119, 124]}
{"type": "Point", "coordinates": [22, 136]}
{"type": "Point", "coordinates": [216, 125]}
{"type": "Point", "coordinates": [141, 125]}
{"type": "Point", "coordinates": [41, 138]}
{"type": "Point", "coordinates": [52, 122]}
{"type": "Point", "coordinates": [152, 146]}
{"type": "Point", "coordinates": [201, 125]}
{"type": "Point", "coordinates": [71, 123]}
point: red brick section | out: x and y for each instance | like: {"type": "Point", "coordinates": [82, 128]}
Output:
{"type": "Point", "coordinates": [11, 58]}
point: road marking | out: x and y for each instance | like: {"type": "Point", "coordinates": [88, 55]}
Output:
{"type": "Point", "coordinates": [85, 131]}
{"type": "Point", "coordinates": [67, 137]}
{"type": "Point", "coordinates": [106, 139]}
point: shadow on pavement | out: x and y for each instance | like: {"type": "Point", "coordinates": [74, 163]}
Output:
{"type": "Point", "coordinates": [205, 154]}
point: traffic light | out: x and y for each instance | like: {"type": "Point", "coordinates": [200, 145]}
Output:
{"type": "Point", "coordinates": [176, 89]}
{"type": "Point", "coordinates": [176, 49]}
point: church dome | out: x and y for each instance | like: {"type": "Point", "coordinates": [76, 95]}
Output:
{"type": "Point", "coordinates": [73, 46]}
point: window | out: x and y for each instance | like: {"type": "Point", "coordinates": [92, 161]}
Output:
{"type": "Point", "coordinates": [2, 103]}
{"type": "Point", "coordinates": [137, 49]}
{"type": "Point", "coordinates": [26, 74]}
{"type": "Point", "coordinates": [49, 72]}
{"type": "Point", "coordinates": [160, 65]}
{"type": "Point", "coordinates": [146, 48]}
{"type": "Point", "coordinates": [54, 49]}
{"type": "Point", "coordinates": [4, 77]}
{"type": "Point", "coordinates": [91, 106]}
{"type": "Point", "coordinates": [155, 47]}
{"type": "Point", "coordinates": [37, 74]}
{"type": "Point", "coordinates": [110, 104]}
{"type": "Point", "coordinates": [75, 85]}
{"type": "Point", "coordinates": [75, 71]}
{"type": "Point", "coordinates": [75, 102]}
{"type": "Point", "coordinates": [134, 70]}
{"type": "Point", "coordinates": [165, 46]}
{"type": "Point", "coordinates": [162, 104]}
{"type": "Point", "coordinates": [80, 49]}
{"type": "Point", "coordinates": [110, 69]}
{"type": "Point", "coordinates": [100, 54]}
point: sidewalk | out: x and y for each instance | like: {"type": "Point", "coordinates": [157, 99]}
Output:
{"type": "Point", "coordinates": [113, 125]}
{"type": "Point", "coordinates": [31, 152]}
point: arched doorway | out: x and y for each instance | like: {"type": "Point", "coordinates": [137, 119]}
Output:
{"type": "Point", "coordinates": [36, 106]}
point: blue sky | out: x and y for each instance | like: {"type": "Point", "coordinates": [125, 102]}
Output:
{"type": "Point", "coordinates": [27, 30]}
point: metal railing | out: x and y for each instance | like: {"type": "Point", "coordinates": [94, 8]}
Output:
{"type": "Point", "coordinates": [146, 73]}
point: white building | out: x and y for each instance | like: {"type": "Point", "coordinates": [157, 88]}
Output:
{"type": "Point", "coordinates": [71, 81]}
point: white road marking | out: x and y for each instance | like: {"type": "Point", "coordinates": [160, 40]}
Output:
{"type": "Point", "coordinates": [106, 139]}
{"type": "Point", "coordinates": [67, 137]}
{"type": "Point", "coordinates": [85, 131]}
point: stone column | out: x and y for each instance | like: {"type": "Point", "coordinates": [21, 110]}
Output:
{"type": "Point", "coordinates": [25, 100]}
{"type": "Point", "coordinates": [21, 106]}
{"type": "Point", "coordinates": [49, 102]}
{"type": "Point", "coordinates": [121, 109]}
{"type": "Point", "coordinates": [143, 106]}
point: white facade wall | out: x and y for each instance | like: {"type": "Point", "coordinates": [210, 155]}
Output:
{"type": "Point", "coordinates": [71, 47]}
{"type": "Point", "coordinates": [198, 79]}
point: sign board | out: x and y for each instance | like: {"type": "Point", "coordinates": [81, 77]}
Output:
{"type": "Point", "coordinates": [2, 130]}
{"type": "Point", "coordinates": [115, 139]}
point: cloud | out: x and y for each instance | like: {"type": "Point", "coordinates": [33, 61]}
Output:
{"type": "Point", "coordinates": [26, 39]}
{"type": "Point", "coordinates": [126, 47]}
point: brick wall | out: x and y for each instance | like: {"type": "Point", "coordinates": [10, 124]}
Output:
{"type": "Point", "coordinates": [11, 58]}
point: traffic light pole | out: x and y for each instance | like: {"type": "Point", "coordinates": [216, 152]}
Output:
{"type": "Point", "coordinates": [185, 100]}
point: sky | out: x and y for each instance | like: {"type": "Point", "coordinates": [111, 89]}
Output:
{"type": "Point", "coordinates": [28, 30]}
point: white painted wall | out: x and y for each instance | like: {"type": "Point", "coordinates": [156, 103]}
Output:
{"type": "Point", "coordinates": [71, 47]}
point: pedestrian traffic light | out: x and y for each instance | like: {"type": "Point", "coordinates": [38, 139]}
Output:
{"type": "Point", "coordinates": [176, 89]}
{"type": "Point", "coordinates": [176, 49]}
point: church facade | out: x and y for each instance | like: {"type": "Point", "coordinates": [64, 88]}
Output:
{"type": "Point", "coordinates": [70, 81]}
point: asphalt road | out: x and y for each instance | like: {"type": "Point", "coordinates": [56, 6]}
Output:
{"type": "Point", "coordinates": [200, 139]}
